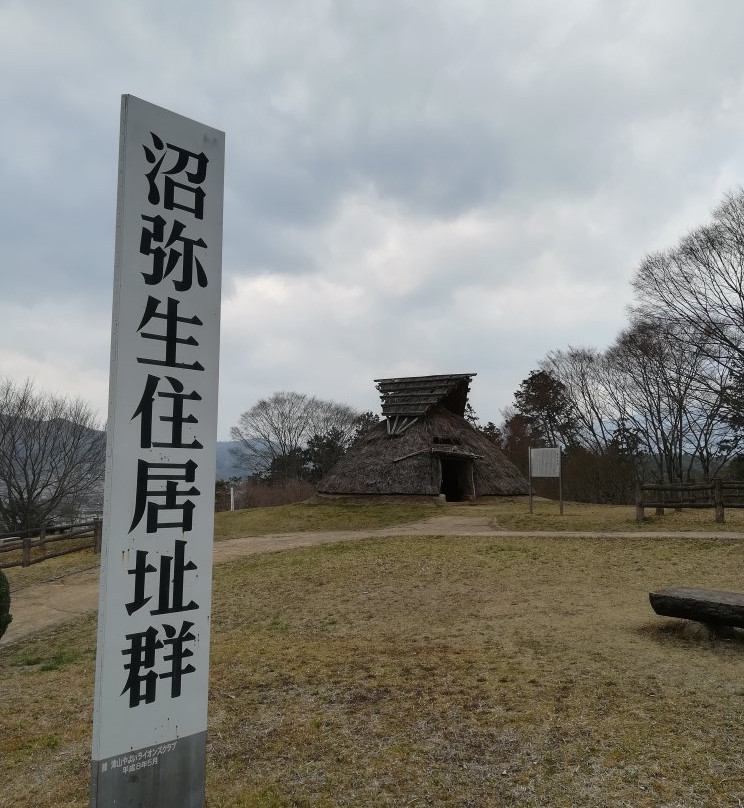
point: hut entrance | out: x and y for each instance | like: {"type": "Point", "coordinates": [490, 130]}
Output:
{"type": "Point", "coordinates": [457, 478]}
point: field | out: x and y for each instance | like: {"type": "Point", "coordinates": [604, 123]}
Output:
{"type": "Point", "coordinates": [432, 671]}
{"type": "Point", "coordinates": [508, 514]}
{"type": "Point", "coordinates": [511, 513]}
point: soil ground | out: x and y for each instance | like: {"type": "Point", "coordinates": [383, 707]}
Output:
{"type": "Point", "coordinates": [51, 603]}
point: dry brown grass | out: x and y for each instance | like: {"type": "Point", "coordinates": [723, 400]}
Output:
{"type": "Point", "coordinates": [509, 513]}
{"type": "Point", "coordinates": [303, 517]}
{"type": "Point", "coordinates": [512, 513]}
{"type": "Point", "coordinates": [442, 672]}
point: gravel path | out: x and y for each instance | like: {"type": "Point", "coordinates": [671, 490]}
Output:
{"type": "Point", "coordinates": [48, 604]}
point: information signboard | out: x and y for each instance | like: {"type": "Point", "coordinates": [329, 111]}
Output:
{"type": "Point", "coordinates": [150, 713]}
{"type": "Point", "coordinates": [546, 463]}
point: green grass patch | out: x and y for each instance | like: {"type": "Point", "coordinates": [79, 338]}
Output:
{"type": "Point", "coordinates": [50, 569]}
{"type": "Point", "coordinates": [59, 660]}
{"type": "Point", "coordinates": [39, 659]}
{"type": "Point", "coordinates": [319, 515]}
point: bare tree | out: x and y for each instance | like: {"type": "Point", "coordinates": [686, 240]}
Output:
{"type": "Point", "coordinates": [714, 432]}
{"type": "Point", "coordinates": [649, 380]}
{"type": "Point", "coordinates": [699, 285]}
{"type": "Point", "coordinates": [52, 455]}
{"type": "Point", "coordinates": [673, 397]}
{"type": "Point", "coordinates": [653, 399]}
{"type": "Point", "coordinates": [600, 460]}
{"type": "Point", "coordinates": [582, 372]}
{"type": "Point", "coordinates": [330, 416]}
{"type": "Point", "coordinates": [273, 434]}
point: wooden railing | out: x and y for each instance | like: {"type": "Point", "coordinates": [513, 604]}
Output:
{"type": "Point", "coordinates": [26, 547]}
{"type": "Point", "coordinates": [715, 494]}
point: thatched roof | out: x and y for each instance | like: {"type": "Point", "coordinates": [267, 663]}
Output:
{"type": "Point", "coordinates": [411, 462]}
{"type": "Point", "coordinates": [406, 399]}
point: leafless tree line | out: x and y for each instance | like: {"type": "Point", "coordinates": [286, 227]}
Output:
{"type": "Point", "coordinates": [653, 398]}
{"type": "Point", "coordinates": [668, 392]}
{"type": "Point", "coordinates": [52, 456]}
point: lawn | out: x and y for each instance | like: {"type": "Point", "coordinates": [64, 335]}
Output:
{"type": "Point", "coordinates": [430, 672]}
{"type": "Point", "coordinates": [51, 569]}
{"type": "Point", "coordinates": [509, 513]}
{"type": "Point", "coordinates": [302, 517]}
{"type": "Point", "coordinates": [361, 514]}
{"type": "Point", "coordinates": [512, 513]}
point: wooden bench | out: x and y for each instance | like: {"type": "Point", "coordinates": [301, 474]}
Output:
{"type": "Point", "coordinates": [704, 605]}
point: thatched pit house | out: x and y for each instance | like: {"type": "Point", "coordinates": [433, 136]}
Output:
{"type": "Point", "coordinates": [424, 447]}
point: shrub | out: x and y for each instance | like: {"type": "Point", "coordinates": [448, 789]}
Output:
{"type": "Point", "coordinates": [5, 615]}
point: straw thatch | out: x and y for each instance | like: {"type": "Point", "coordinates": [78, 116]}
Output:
{"type": "Point", "coordinates": [439, 443]}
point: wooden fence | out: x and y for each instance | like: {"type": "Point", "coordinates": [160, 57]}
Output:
{"type": "Point", "coordinates": [26, 547]}
{"type": "Point", "coordinates": [715, 494]}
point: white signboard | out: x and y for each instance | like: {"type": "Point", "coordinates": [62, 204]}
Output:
{"type": "Point", "coordinates": [545, 462]}
{"type": "Point", "coordinates": [150, 715]}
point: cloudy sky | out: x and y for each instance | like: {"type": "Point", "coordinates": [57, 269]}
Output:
{"type": "Point", "coordinates": [412, 187]}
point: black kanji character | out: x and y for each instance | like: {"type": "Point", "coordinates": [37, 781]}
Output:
{"type": "Point", "coordinates": [170, 591]}
{"type": "Point", "coordinates": [141, 655]}
{"type": "Point", "coordinates": [189, 262]}
{"type": "Point", "coordinates": [170, 474]}
{"type": "Point", "coordinates": [170, 338]}
{"type": "Point", "coordinates": [176, 419]}
{"type": "Point", "coordinates": [190, 192]}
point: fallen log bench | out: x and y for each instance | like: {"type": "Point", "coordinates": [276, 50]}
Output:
{"type": "Point", "coordinates": [703, 605]}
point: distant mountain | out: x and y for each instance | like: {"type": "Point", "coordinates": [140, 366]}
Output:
{"type": "Point", "coordinates": [226, 466]}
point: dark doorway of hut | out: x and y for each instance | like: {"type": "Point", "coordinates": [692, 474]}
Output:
{"type": "Point", "coordinates": [457, 479]}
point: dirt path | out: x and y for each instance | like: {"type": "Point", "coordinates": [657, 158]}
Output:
{"type": "Point", "coordinates": [48, 604]}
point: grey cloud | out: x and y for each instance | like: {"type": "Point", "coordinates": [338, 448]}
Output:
{"type": "Point", "coordinates": [578, 135]}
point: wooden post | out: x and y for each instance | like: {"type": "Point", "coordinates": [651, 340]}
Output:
{"type": "Point", "coordinates": [660, 494]}
{"type": "Point", "coordinates": [97, 535]}
{"type": "Point", "coordinates": [529, 465]}
{"type": "Point", "coordinates": [639, 503]}
{"type": "Point", "coordinates": [26, 552]}
{"type": "Point", "coordinates": [718, 499]}
{"type": "Point", "coordinates": [42, 541]}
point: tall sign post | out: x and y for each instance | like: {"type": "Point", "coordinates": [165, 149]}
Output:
{"type": "Point", "coordinates": [150, 713]}
{"type": "Point", "coordinates": [546, 463]}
